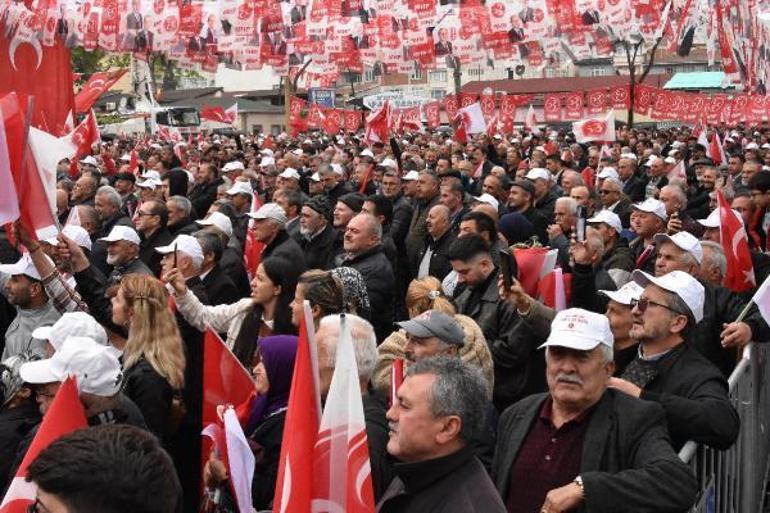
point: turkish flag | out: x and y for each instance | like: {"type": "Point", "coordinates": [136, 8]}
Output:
{"type": "Point", "coordinates": [555, 289]}
{"type": "Point", "coordinates": [396, 378]}
{"type": "Point", "coordinates": [716, 152]}
{"type": "Point", "coordinates": [432, 114]}
{"type": "Point", "coordinates": [85, 135]}
{"type": "Point", "coordinates": [342, 475]}
{"type": "Point", "coordinates": [64, 416]}
{"type": "Point", "coordinates": [294, 483]}
{"type": "Point", "coordinates": [213, 114]}
{"type": "Point", "coordinates": [378, 125]}
{"type": "Point", "coordinates": [533, 264]}
{"type": "Point", "coordinates": [552, 107]}
{"type": "Point", "coordinates": [740, 271]}
{"type": "Point", "coordinates": [225, 380]}
{"type": "Point", "coordinates": [95, 87]}
{"type": "Point", "coordinates": [231, 113]}
{"type": "Point", "coordinates": [44, 72]}
{"type": "Point", "coordinates": [595, 129]}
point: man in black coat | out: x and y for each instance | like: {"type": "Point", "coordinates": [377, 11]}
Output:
{"type": "Point", "coordinates": [151, 219]}
{"type": "Point", "coordinates": [427, 195]}
{"type": "Point", "coordinates": [634, 186]}
{"type": "Point", "coordinates": [269, 228]}
{"type": "Point", "coordinates": [438, 469]}
{"type": "Point", "coordinates": [219, 286]}
{"type": "Point", "coordinates": [364, 253]}
{"type": "Point", "coordinates": [670, 371]}
{"type": "Point", "coordinates": [433, 260]}
{"type": "Point", "coordinates": [318, 236]}
{"type": "Point", "coordinates": [604, 450]}
{"type": "Point", "coordinates": [518, 366]}
{"type": "Point", "coordinates": [204, 192]}
{"type": "Point", "coordinates": [521, 199]}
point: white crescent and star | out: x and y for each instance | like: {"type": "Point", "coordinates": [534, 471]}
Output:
{"type": "Point", "coordinates": [16, 42]}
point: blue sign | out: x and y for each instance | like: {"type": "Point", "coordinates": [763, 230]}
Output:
{"type": "Point", "coordinates": [322, 97]}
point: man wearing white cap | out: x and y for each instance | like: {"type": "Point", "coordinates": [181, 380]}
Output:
{"type": "Point", "coordinates": [717, 332]}
{"type": "Point", "coordinates": [671, 371]}
{"type": "Point", "coordinates": [22, 287]}
{"type": "Point", "coordinates": [123, 254]}
{"type": "Point", "coordinates": [545, 193]}
{"type": "Point", "coordinates": [269, 227]}
{"type": "Point", "coordinates": [241, 194]}
{"type": "Point", "coordinates": [647, 219]}
{"type": "Point", "coordinates": [288, 179]}
{"type": "Point", "coordinates": [617, 258]}
{"type": "Point", "coordinates": [604, 450]}
{"type": "Point", "coordinates": [618, 313]}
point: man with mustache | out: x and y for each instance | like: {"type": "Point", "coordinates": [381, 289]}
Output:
{"type": "Point", "coordinates": [582, 445]}
{"type": "Point", "coordinates": [672, 372]}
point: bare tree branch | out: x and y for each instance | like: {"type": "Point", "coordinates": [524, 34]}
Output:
{"type": "Point", "coordinates": [651, 61]}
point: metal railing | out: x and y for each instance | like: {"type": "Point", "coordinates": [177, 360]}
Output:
{"type": "Point", "coordinates": [734, 481]}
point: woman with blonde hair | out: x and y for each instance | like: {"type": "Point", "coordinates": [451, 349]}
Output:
{"type": "Point", "coordinates": [422, 295]}
{"type": "Point", "coordinates": [153, 359]}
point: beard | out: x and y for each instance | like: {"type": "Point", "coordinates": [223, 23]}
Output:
{"type": "Point", "coordinates": [112, 259]}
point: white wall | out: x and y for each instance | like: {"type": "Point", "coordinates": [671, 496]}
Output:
{"type": "Point", "coordinates": [232, 80]}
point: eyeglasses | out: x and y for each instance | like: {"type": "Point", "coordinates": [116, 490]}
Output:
{"type": "Point", "coordinates": [642, 303]}
{"type": "Point", "coordinates": [603, 192]}
{"type": "Point", "coordinates": [140, 213]}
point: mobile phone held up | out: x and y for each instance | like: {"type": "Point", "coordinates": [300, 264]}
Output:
{"type": "Point", "coordinates": [508, 268]}
{"type": "Point", "coordinates": [580, 225]}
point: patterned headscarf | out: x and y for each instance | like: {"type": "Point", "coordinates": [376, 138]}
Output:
{"type": "Point", "coordinates": [354, 289]}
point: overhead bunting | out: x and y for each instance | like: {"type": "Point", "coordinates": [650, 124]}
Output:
{"type": "Point", "coordinates": [389, 36]}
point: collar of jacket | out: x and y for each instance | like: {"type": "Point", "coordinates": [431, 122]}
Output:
{"type": "Point", "coordinates": [360, 256]}
{"type": "Point", "coordinates": [420, 475]}
{"type": "Point", "coordinates": [279, 239]}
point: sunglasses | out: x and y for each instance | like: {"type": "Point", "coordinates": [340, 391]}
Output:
{"type": "Point", "coordinates": [642, 303]}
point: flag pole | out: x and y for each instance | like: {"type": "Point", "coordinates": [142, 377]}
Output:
{"type": "Point", "coordinates": [308, 320]}
{"type": "Point", "coordinates": [745, 311]}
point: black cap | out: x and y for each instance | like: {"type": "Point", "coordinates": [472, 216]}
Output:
{"type": "Point", "coordinates": [353, 200]}
{"type": "Point", "coordinates": [125, 176]}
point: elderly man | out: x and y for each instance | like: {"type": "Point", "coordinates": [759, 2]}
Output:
{"type": "Point", "coordinates": [582, 195]}
{"type": "Point", "coordinates": [364, 252]}
{"type": "Point", "coordinates": [23, 288]}
{"type": "Point", "coordinates": [716, 333]}
{"type": "Point", "coordinates": [220, 288]}
{"type": "Point", "coordinates": [647, 219]}
{"type": "Point", "coordinates": [84, 190]}
{"type": "Point", "coordinates": [269, 228]}
{"type": "Point", "coordinates": [675, 200]}
{"type": "Point", "coordinates": [108, 203]}
{"type": "Point", "coordinates": [428, 194]}
{"type": "Point", "coordinates": [619, 306]}
{"type": "Point", "coordinates": [439, 408]}
{"type": "Point", "coordinates": [402, 208]}
{"type": "Point", "coordinates": [517, 365]}
{"type": "Point", "coordinates": [240, 194]}
{"type": "Point", "coordinates": [180, 219]}
{"type": "Point", "coordinates": [204, 190]}
{"type": "Point", "coordinates": [582, 446]}
{"type": "Point", "coordinates": [713, 267]}
{"type": "Point", "coordinates": [633, 185]}
{"type": "Point", "coordinates": [123, 254]}
{"type": "Point", "coordinates": [545, 194]}
{"type": "Point", "coordinates": [151, 219]}
{"type": "Point", "coordinates": [333, 178]}
{"type": "Point", "coordinates": [656, 174]}
{"type": "Point", "coordinates": [433, 259]}
{"type": "Point", "coordinates": [318, 236]}
{"type": "Point", "coordinates": [617, 259]}
{"type": "Point", "coordinates": [559, 233]}
{"type": "Point", "coordinates": [291, 202]}
{"type": "Point", "coordinates": [669, 370]}
{"type": "Point", "coordinates": [612, 199]}
{"type": "Point", "coordinates": [365, 349]}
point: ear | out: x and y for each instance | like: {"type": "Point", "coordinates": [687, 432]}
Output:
{"type": "Point", "coordinates": [678, 324]}
{"type": "Point", "coordinates": [277, 290]}
{"type": "Point", "coordinates": [450, 429]}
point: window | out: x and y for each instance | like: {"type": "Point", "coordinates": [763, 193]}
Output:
{"type": "Point", "coordinates": [369, 75]}
{"type": "Point", "coordinates": [438, 75]}
{"type": "Point", "coordinates": [598, 72]}
{"type": "Point", "coordinates": [256, 129]}
{"type": "Point", "coordinates": [437, 94]}
{"type": "Point", "coordinates": [416, 74]}
{"type": "Point", "coordinates": [474, 72]}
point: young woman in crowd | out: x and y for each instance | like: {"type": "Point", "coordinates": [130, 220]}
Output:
{"type": "Point", "coordinates": [153, 359]}
{"type": "Point", "coordinates": [264, 429]}
{"type": "Point", "coordinates": [325, 293]}
{"type": "Point", "coordinates": [422, 295]}
{"type": "Point", "coordinates": [266, 312]}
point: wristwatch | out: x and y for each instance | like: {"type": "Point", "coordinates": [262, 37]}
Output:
{"type": "Point", "coordinates": [579, 481]}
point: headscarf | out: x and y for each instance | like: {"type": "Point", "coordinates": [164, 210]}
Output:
{"type": "Point", "coordinates": [278, 353]}
{"type": "Point", "coordinates": [354, 289]}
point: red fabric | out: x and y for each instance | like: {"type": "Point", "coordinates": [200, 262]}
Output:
{"type": "Point", "coordinates": [396, 378]}
{"type": "Point", "coordinates": [547, 289]}
{"type": "Point", "coordinates": [530, 262]}
{"type": "Point", "coordinates": [432, 114]}
{"type": "Point", "coordinates": [225, 380]}
{"type": "Point", "coordinates": [377, 125]}
{"type": "Point", "coordinates": [49, 82]}
{"type": "Point", "coordinates": [294, 483]}
{"type": "Point", "coordinates": [552, 107]}
{"type": "Point", "coordinates": [64, 416]}
{"type": "Point", "coordinates": [468, 99]}
{"type": "Point", "coordinates": [619, 97]}
{"type": "Point", "coordinates": [642, 98]}
{"type": "Point", "coordinates": [451, 105]}
{"type": "Point", "coordinates": [596, 100]}
{"type": "Point", "coordinates": [213, 114]}
{"type": "Point", "coordinates": [97, 85]}
{"type": "Point", "coordinates": [740, 270]}
{"type": "Point", "coordinates": [487, 101]}
{"type": "Point", "coordinates": [574, 105]}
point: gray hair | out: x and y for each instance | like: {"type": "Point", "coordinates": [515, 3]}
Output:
{"type": "Point", "coordinates": [111, 194]}
{"type": "Point", "coordinates": [678, 191]}
{"type": "Point", "coordinates": [607, 353]}
{"type": "Point", "coordinates": [375, 227]}
{"type": "Point", "coordinates": [715, 257]}
{"type": "Point", "coordinates": [614, 181]}
{"type": "Point", "coordinates": [364, 342]}
{"type": "Point", "coordinates": [459, 389]}
{"type": "Point", "coordinates": [594, 242]}
{"type": "Point", "coordinates": [182, 204]}
{"type": "Point", "coordinates": [571, 204]}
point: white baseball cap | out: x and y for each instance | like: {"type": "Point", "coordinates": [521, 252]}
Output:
{"type": "Point", "coordinates": [608, 172]}
{"type": "Point", "coordinates": [78, 234]}
{"type": "Point", "coordinates": [680, 283]}
{"type": "Point", "coordinates": [652, 206]}
{"type": "Point", "coordinates": [625, 294]}
{"type": "Point", "coordinates": [629, 156]}
{"type": "Point", "coordinates": [609, 218]}
{"type": "Point", "coordinates": [95, 366]}
{"type": "Point", "coordinates": [751, 146]}
{"type": "Point", "coordinates": [367, 153]}
{"type": "Point", "coordinates": [337, 168]}
{"type": "Point", "coordinates": [233, 166]}
{"type": "Point", "coordinates": [579, 329]}
{"type": "Point", "coordinates": [150, 183]}
{"type": "Point", "coordinates": [90, 161]}
{"type": "Point", "coordinates": [714, 221]}
{"type": "Point", "coordinates": [538, 173]}
{"type": "Point", "coordinates": [219, 220]}
{"type": "Point", "coordinates": [684, 241]}
{"type": "Point", "coordinates": [125, 157]}
{"type": "Point", "coordinates": [669, 160]}
{"type": "Point", "coordinates": [240, 188]}
{"type": "Point", "coordinates": [23, 266]}
{"type": "Point", "coordinates": [125, 233]}
{"type": "Point", "coordinates": [290, 172]}
{"type": "Point", "coordinates": [150, 174]}
{"type": "Point", "coordinates": [72, 324]}
{"type": "Point", "coordinates": [488, 199]}
{"type": "Point", "coordinates": [388, 162]}
{"type": "Point", "coordinates": [267, 161]}
{"type": "Point", "coordinates": [270, 211]}
{"type": "Point", "coordinates": [186, 244]}
{"type": "Point", "coordinates": [266, 151]}
{"type": "Point", "coordinates": [410, 176]}
{"type": "Point", "coordinates": [298, 152]}
{"type": "Point", "coordinates": [315, 177]}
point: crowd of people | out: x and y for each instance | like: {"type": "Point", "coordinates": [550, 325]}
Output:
{"type": "Point", "coordinates": [506, 405]}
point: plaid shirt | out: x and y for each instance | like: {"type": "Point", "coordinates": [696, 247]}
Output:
{"type": "Point", "coordinates": [63, 296]}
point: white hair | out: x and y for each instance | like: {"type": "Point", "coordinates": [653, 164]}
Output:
{"type": "Point", "coordinates": [364, 342]}
{"type": "Point", "coordinates": [571, 204]}
{"type": "Point", "coordinates": [608, 354]}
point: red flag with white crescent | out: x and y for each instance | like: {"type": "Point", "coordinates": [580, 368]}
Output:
{"type": "Point", "coordinates": [97, 85]}
{"type": "Point", "coordinates": [740, 270]}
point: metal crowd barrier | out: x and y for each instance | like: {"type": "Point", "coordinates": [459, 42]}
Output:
{"type": "Point", "coordinates": [734, 481]}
